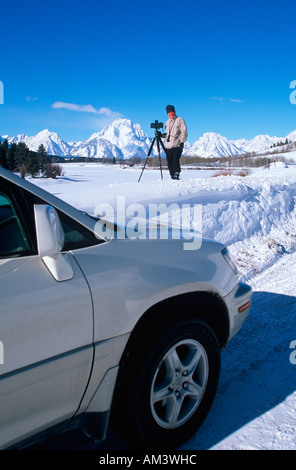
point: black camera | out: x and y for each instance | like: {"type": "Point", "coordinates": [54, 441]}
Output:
{"type": "Point", "coordinates": [156, 125]}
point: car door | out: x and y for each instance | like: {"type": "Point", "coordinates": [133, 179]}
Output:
{"type": "Point", "coordinates": [46, 329]}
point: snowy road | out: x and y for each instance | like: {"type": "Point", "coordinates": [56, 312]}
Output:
{"type": "Point", "coordinates": [256, 400]}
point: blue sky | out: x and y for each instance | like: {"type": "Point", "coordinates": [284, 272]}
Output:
{"type": "Point", "coordinates": [74, 66]}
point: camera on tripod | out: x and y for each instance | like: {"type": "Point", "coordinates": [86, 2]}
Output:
{"type": "Point", "coordinates": [156, 125]}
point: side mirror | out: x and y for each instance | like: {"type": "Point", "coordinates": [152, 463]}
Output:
{"type": "Point", "coordinates": [50, 234]}
{"type": "Point", "coordinates": [50, 241]}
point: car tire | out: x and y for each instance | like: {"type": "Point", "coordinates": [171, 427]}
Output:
{"type": "Point", "coordinates": [167, 386]}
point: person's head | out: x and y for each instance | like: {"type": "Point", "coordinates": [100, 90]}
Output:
{"type": "Point", "coordinates": [170, 109]}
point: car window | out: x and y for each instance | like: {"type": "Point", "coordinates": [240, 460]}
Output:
{"type": "Point", "coordinates": [13, 239]}
{"type": "Point", "coordinates": [76, 236]}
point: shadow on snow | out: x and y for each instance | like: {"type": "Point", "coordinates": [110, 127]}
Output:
{"type": "Point", "coordinates": [256, 372]}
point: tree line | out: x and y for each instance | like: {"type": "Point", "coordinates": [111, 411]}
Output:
{"type": "Point", "coordinates": [17, 157]}
{"type": "Point", "coordinates": [239, 161]}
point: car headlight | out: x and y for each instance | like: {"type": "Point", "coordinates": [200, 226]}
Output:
{"type": "Point", "coordinates": [229, 259]}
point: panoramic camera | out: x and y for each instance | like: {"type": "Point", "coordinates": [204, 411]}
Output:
{"type": "Point", "coordinates": [156, 125]}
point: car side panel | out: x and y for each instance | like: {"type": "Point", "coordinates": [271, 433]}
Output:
{"type": "Point", "coordinates": [46, 328]}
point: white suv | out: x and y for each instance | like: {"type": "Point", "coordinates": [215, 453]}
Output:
{"type": "Point", "coordinates": [91, 328]}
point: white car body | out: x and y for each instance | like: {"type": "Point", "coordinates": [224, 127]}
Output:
{"type": "Point", "coordinates": [66, 316]}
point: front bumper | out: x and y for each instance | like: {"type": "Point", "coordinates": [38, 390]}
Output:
{"type": "Point", "coordinates": [239, 303]}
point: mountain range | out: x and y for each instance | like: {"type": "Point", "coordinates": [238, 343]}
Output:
{"type": "Point", "coordinates": [123, 139]}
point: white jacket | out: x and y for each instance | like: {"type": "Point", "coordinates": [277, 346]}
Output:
{"type": "Point", "coordinates": [176, 132]}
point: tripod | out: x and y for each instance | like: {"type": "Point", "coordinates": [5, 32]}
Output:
{"type": "Point", "coordinates": [159, 142]}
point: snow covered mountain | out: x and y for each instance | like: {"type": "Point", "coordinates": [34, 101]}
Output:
{"type": "Point", "coordinates": [18, 138]}
{"type": "Point", "coordinates": [53, 144]}
{"type": "Point", "coordinates": [292, 136]}
{"type": "Point", "coordinates": [127, 136]}
{"type": "Point", "coordinates": [121, 139]}
{"type": "Point", "coordinates": [257, 144]}
{"type": "Point", "coordinates": [96, 147]}
{"type": "Point", "coordinates": [212, 145]}
{"type": "Point", "coordinates": [124, 139]}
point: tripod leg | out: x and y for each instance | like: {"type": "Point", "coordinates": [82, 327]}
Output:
{"type": "Point", "coordinates": [159, 157]}
{"type": "Point", "coordinates": [148, 155]}
{"type": "Point", "coordinates": [164, 149]}
{"type": "Point", "coordinates": [160, 167]}
{"type": "Point", "coordinates": [143, 169]}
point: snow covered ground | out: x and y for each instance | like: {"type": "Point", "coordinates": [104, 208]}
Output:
{"type": "Point", "coordinates": [256, 217]}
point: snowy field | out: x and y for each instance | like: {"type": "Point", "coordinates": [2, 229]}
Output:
{"type": "Point", "coordinates": [256, 217]}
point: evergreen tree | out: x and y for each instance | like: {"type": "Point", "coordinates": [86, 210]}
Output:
{"type": "Point", "coordinates": [32, 163]}
{"type": "Point", "coordinates": [43, 158]}
{"type": "Point", "coordinates": [20, 155]}
{"type": "Point", "coordinates": [11, 157]}
{"type": "Point", "coordinates": [3, 153]}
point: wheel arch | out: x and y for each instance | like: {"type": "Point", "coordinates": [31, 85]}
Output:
{"type": "Point", "coordinates": [205, 306]}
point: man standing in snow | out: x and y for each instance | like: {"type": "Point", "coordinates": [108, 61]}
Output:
{"type": "Point", "coordinates": [175, 137]}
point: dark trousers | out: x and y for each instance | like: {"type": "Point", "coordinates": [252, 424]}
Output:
{"type": "Point", "coordinates": [173, 159]}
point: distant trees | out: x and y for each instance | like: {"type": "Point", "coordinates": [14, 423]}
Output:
{"type": "Point", "coordinates": [282, 147]}
{"type": "Point", "coordinates": [4, 154]}
{"type": "Point", "coordinates": [18, 158]}
{"type": "Point", "coordinates": [278, 144]}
